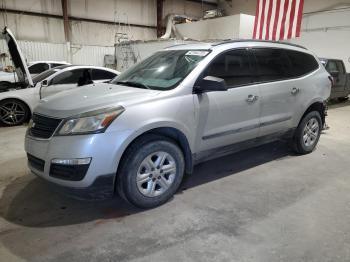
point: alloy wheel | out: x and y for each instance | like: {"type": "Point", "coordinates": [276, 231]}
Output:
{"type": "Point", "coordinates": [12, 113]}
{"type": "Point", "coordinates": [156, 174]}
{"type": "Point", "coordinates": [311, 132]}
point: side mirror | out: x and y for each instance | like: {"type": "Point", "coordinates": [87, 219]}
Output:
{"type": "Point", "coordinates": [45, 83]}
{"type": "Point", "coordinates": [334, 73]}
{"type": "Point", "coordinates": [210, 84]}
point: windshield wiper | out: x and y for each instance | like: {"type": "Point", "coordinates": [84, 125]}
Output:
{"type": "Point", "coordinates": [134, 84]}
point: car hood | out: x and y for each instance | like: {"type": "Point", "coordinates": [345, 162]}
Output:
{"type": "Point", "coordinates": [18, 59]}
{"type": "Point", "coordinates": [92, 97]}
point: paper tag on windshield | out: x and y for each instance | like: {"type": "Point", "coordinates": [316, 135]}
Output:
{"type": "Point", "coordinates": [197, 53]}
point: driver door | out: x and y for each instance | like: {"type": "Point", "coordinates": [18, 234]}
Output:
{"type": "Point", "coordinates": [65, 81]}
{"type": "Point", "coordinates": [232, 116]}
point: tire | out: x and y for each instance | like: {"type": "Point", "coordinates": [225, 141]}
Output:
{"type": "Point", "coordinates": [140, 163]}
{"type": "Point", "coordinates": [13, 112]}
{"type": "Point", "coordinates": [307, 133]}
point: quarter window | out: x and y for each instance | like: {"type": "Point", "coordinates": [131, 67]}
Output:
{"type": "Point", "coordinates": [232, 66]}
{"type": "Point", "coordinates": [98, 74]}
{"type": "Point", "coordinates": [54, 65]}
{"type": "Point", "coordinates": [301, 63]}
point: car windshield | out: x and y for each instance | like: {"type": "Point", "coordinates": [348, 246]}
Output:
{"type": "Point", "coordinates": [44, 75]}
{"type": "Point", "coordinates": [163, 70]}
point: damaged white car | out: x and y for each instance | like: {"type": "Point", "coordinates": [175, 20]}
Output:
{"type": "Point", "coordinates": [16, 106]}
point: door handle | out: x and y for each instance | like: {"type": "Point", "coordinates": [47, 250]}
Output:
{"type": "Point", "coordinates": [252, 98]}
{"type": "Point", "coordinates": [295, 91]}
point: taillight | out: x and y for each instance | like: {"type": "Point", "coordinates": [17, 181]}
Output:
{"type": "Point", "coordinates": [332, 81]}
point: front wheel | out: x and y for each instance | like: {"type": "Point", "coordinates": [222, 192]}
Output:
{"type": "Point", "coordinates": [151, 171]}
{"type": "Point", "coordinates": [307, 133]}
{"type": "Point", "coordinates": [13, 112]}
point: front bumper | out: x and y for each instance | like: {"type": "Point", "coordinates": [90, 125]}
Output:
{"type": "Point", "coordinates": [104, 149]}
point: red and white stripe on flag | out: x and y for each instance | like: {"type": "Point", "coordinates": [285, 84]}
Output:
{"type": "Point", "coordinates": [278, 19]}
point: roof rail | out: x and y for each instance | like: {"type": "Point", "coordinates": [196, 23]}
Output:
{"type": "Point", "coordinates": [255, 40]}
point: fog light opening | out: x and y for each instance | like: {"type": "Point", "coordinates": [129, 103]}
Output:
{"type": "Point", "coordinates": [72, 161]}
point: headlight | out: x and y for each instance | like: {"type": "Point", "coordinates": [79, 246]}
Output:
{"type": "Point", "coordinates": [91, 122]}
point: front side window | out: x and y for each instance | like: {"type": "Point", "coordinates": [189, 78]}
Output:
{"type": "Point", "coordinates": [162, 71]}
{"type": "Point", "coordinates": [68, 77]}
{"type": "Point", "coordinates": [44, 75]}
{"type": "Point", "coordinates": [232, 66]}
{"type": "Point", "coordinates": [38, 68]}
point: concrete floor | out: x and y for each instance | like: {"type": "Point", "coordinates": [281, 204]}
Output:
{"type": "Point", "coordinates": [263, 204]}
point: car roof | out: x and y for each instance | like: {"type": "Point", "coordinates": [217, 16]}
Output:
{"type": "Point", "coordinates": [51, 62]}
{"type": "Point", "coordinates": [71, 67]}
{"type": "Point", "coordinates": [238, 42]}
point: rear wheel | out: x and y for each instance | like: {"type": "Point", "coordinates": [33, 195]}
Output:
{"type": "Point", "coordinates": [13, 112]}
{"type": "Point", "coordinates": [307, 133]}
{"type": "Point", "coordinates": [151, 171]}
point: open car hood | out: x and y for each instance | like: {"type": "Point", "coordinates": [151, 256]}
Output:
{"type": "Point", "coordinates": [17, 57]}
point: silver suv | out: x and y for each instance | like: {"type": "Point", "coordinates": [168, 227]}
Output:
{"type": "Point", "coordinates": [140, 133]}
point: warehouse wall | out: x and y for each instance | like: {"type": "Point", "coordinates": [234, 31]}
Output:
{"type": "Point", "coordinates": [42, 38]}
{"type": "Point", "coordinates": [140, 12]}
{"type": "Point", "coordinates": [248, 6]}
{"type": "Point", "coordinates": [325, 26]}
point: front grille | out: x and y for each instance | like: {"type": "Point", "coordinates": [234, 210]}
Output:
{"type": "Point", "coordinates": [43, 127]}
{"type": "Point", "coordinates": [36, 163]}
{"type": "Point", "coordinates": [69, 172]}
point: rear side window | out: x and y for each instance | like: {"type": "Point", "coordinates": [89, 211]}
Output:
{"type": "Point", "coordinates": [98, 74]}
{"type": "Point", "coordinates": [68, 77]}
{"type": "Point", "coordinates": [232, 66]}
{"type": "Point", "coordinates": [301, 63]}
{"type": "Point", "coordinates": [272, 64]}
{"type": "Point", "coordinates": [38, 68]}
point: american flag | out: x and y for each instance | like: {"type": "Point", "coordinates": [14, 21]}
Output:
{"type": "Point", "coordinates": [278, 19]}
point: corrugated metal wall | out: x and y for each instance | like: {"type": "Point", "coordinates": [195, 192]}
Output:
{"type": "Point", "coordinates": [82, 55]}
{"type": "Point", "coordinates": [90, 55]}
{"type": "Point", "coordinates": [34, 51]}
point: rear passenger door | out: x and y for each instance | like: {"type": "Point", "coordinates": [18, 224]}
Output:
{"type": "Point", "coordinates": [279, 73]}
{"type": "Point", "coordinates": [232, 116]}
